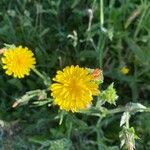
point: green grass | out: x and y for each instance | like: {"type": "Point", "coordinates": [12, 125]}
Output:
{"type": "Point", "coordinates": [118, 35]}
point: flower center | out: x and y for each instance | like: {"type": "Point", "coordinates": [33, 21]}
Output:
{"type": "Point", "coordinates": [75, 86]}
{"type": "Point", "coordinates": [18, 61]}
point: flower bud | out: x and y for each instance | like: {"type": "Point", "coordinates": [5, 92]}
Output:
{"type": "Point", "coordinates": [97, 74]}
{"type": "Point", "coordinates": [124, 70]}
{"type": "Point", "coordinates": [109, 95]}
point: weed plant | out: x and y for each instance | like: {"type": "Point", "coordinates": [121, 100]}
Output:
{"type": "Point", "coordinates": [113, 35]}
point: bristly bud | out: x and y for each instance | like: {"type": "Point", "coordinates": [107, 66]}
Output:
{"type": "Point", "coordinates": [15, 104]}
{"type": "Point", "coordinates": [90, 15]}
{"type": "Point", "coordinates": [109, 95]}
{"type": "Point", "coordinates": [128, 137]}
{"type": "Point", "coordinates": [74, 38]}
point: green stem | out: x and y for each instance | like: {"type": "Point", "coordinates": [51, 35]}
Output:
{"type": "Point", "coordinates": [38, 73]}
{"type": "Point", "coordinates": [147, 110]}
{"type": "Point", "coordinates": [99, 135]}
{"type": "Point", "coordinates": [145, 8]}
{"type": "Point", "coordinates": [123, 109]}
{"type": "Point", "coordinates": [116, 110]}
{"type": "Point", "coordinates": [45, 79]}
{"type": "Point", "coordinates": [101, 13]}
{"type": "Point", "coordinates": [127, 119]}
{"type": "Point", "coordinates": [93, 4]}
{"type": "Point", "coordinates": [69, 129]}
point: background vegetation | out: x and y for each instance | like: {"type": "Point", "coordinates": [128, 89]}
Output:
{"type": "Point", "coordinates": [109, 37]}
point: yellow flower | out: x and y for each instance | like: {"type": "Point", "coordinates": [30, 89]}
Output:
{"type": "Point", "coordinates": [74, 88]}
{"type": "Point", "coordinates": [18, 61]}
{"type": "Point", "coordinates": [124, 70]}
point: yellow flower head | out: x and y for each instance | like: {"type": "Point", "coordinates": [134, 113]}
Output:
{"type": "Point", "coordinates": [18, 61]}
{"type": "Point", "coordinates": [74, 88]}
{"type": "Point", "coordinates": [124, 70]}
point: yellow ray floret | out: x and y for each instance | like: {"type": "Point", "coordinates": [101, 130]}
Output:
{"type": "Point", "coordinates": [74, 88]}
{"type": "Point", "coordinates": [18, 61]}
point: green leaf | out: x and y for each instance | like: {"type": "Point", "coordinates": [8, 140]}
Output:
{"type": "Point", "coordinates": [15, 82]}
{"type": "Point", "coordinates": [61, 144]}
{"type": "Point", "coordinates": [124, 118]}
{"type": "Point", "coordinates": [135, 107]}
{"type": "Point", "coordinates": [88, 54]}
{"type": "Point", "coordinates": [139, 53]}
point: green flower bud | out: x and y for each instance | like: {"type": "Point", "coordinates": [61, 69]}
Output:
{"type": "Point", "coordinates": [109, 95]}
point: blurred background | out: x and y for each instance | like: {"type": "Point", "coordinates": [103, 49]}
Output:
{"type": "Point", "coordinates": [114, 36]}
